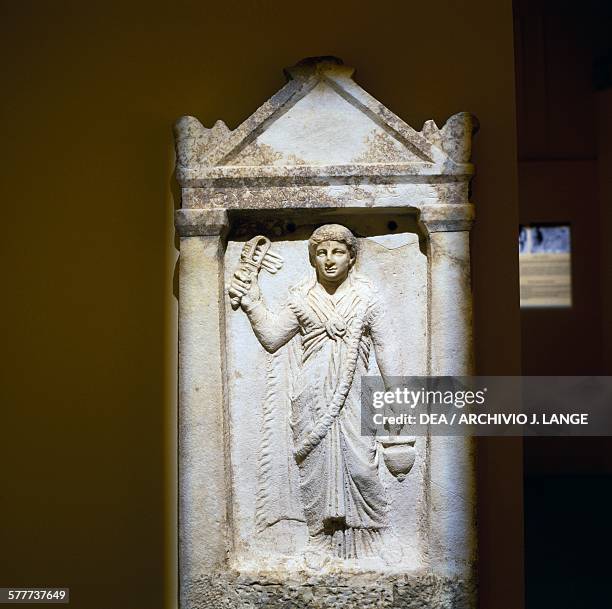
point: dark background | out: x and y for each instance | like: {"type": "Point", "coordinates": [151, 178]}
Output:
{"type": "Point", "coordinates": [564, 117]}
{"type": "Point", "coordinates": [88, 373]}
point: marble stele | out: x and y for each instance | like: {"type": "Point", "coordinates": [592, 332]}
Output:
{"type": "Point", "coordinates": [321, 240]}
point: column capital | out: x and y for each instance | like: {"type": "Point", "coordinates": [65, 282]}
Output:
{"type": "Point", "coordinates": [201, 222]}
{"type": "Point", "coordinates": [446, 218]}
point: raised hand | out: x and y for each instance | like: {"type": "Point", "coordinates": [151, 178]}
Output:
{"type": "Point", "coordinates": [245, 288]}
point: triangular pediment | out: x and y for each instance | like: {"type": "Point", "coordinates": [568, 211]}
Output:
{"type": "Point", "coordinates": [321, 119]}
{"type": "Point", "coordinates": [325, 128]}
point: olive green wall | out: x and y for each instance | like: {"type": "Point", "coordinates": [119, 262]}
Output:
{"type": "Point", "coordinates": [90, 91]}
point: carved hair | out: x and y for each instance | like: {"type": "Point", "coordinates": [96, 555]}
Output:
{"type": "Point", "coordinates": [332, 232]}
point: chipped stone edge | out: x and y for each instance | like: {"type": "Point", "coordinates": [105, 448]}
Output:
{"type": "Point", "coordinates": [227, 590]}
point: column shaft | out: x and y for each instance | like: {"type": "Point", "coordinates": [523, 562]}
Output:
{"type": "Point", "coordinates": [451, 459]}
{"type": "Point", "coordinates": [203, 479]}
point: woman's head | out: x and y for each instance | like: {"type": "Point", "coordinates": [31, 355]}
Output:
{"type": "Point", "coordinates": [332, 250]}
{"type": "Point", "coordinates": [333, 232]}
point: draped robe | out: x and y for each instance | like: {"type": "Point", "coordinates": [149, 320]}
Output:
{"type": "Point", "coordinates": [342, 495]}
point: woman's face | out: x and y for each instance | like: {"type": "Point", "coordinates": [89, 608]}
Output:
{"type": "Point", "coordinates": [332, 261]}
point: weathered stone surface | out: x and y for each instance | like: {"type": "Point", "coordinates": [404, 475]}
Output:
{"type": "Point", "coordinates": [338, 591]}
{"type": "Point", "coordinates": [278, 320]}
